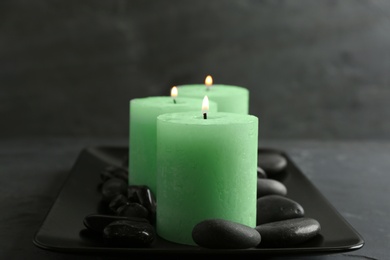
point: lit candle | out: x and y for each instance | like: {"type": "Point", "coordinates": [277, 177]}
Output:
{"type": "Point", "coordinates": [174, 93]}
{"type": "Point", "coordinates": [206, 168]}
{"type": "Point", "coordinates": [205, 106]}
{"type": "Point", "coordinates": [229, 98]}
{"type": "Point", "coordinates": [208, 82]}
{"type": "Point", "coordinates": [142, 133]}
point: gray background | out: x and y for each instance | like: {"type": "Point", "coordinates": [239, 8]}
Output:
{"type": "Point", "coordinates": [315, 69]}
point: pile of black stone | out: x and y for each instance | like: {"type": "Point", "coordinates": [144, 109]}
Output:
{"type": "Point", "coordinates": [280, 221]}
{"type": "Point", "coordinates": [129, 214]}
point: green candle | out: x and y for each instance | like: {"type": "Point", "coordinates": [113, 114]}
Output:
{"type": "Point", "coordinates": [234, 99]}
{"type": "Point", "coordinates": [142, 136]}
{"type": "Point", "coordinates": [206, 168]}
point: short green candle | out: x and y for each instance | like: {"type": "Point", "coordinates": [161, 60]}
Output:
{"type": "Point", "coordinates": [234, 99]}
{"type": "Point", "coordinates": [142, 133]}
{"type": "Point", "coordinates": [206, 168]}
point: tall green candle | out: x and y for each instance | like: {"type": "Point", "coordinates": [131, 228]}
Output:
{"type": "Point", "coordinates": [206, 168]}
{"type": "Point", "coordinates": [230, 98]}
{"type": "Point", "coordinates": [142, 133]}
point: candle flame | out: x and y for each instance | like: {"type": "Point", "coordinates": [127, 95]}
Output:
{"type": "Point", "coordinates": [174, 91]}
{"type": "Point", "coordinates": [208, 81]}
{"type": "Point", "coordinates": [205, 104]}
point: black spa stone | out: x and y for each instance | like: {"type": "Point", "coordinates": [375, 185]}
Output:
{"type": "Point", "coordinates": [225, 234]}
{"type": "Point", "coordinates": [114, 172]}
{"type": "Point", "coordinates": [272, 208]}
{"type": "Point", "coordinates": [127, 233]}
{"type": "Point", "coordinates": [113, 187]}
{"type": "Point", "coordinates": [272, 163]}
{"type": "Point", "coordinates": [97, 222]}
{"type": "Point", "coordinates": [144, 196]}
{"type": "Point", "coordinates": [118, 201]}
{"type": "Point", "coordinates": [133, 210]}
{"type": "Point", "coordinates": [132, 195]}
{"type": "Point", "coordinates": [261, 173]}
{"type": "Point", "coordinates": [288, 232]}
{"type": "Point", "coordinates": [270, 187]}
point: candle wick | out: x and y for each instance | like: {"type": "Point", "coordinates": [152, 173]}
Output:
{"type": "Point", "coordinates": [174, 101]}
{"type": "Point", "coordinates": [207, 88]}
{"type": "Point", "coordinates": [204, 115]}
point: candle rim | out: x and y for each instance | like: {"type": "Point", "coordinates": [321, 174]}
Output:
{"type": "Point", "coordinates": [214, 89]}
{"type": "Point", "coordinates": [213, 118]}
{"type": "Point", "coordinates": [156, 101]}
{"type": "Point", "coordinates": [214, 85]}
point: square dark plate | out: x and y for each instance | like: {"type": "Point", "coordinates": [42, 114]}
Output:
{"type": "Point", "coordinates": [63, 229]}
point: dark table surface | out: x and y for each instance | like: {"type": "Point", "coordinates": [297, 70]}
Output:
{"type": "Point", "coordinates": [353, 175]}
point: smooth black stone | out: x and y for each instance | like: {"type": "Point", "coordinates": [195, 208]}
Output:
{"type": "Point", "coordinates": [132, 195]}
{"type": "Point", "coordinates": [261, 173]}
{"type": "Point", "coordinates": [118, 201]}
{"type": "Point", "coordinates": [143, 195]}
{"type": "Point", "coordinates": [225, 234]}
{"type": "Point", "coordinates": [97, 222]}
{"type": "Point", "coordinates": [114, 172]}
{"type": "Point", "coordinates": [272, 208]}
{"type": "Point", "coordinates": [133, 210]}
{"type": "Point", "coordinates": [270, 187]}
{"type": "Point", "coordinates": [272, 163]}
{"type": "Point", "coordinates": [125, 233]}
{"type": "Point", "coordinates": [113, 187]}
{"type": "Point", "coordinates": [288, 232]}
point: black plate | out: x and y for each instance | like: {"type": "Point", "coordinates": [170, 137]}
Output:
{"type": "Point", "coordinates": [63, 229]}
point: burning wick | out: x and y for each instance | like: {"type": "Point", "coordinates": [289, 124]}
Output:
{"type": "Point", "coordinates": [174, 94]}
{"type": "Point", "coordinates": [208, 82]}
{"type": "Point", "coordinates": [205, 106]}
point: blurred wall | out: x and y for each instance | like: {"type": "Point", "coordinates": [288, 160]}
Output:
{"type": "Point", "coordinates": [315, 69]}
